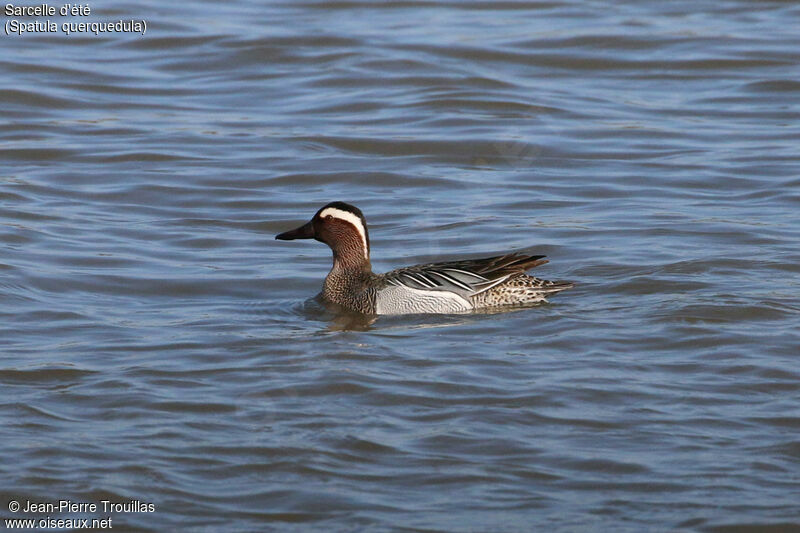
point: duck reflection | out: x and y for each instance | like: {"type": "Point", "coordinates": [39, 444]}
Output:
{"type": "Point", "coordinates": [339, 318]}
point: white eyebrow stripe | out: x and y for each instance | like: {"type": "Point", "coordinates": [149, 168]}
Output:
{"type": "Point", "coordinates": [353, 219]}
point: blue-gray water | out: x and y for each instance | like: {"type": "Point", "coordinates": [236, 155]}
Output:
{"type": "Point", "coordinates": [158, 345]}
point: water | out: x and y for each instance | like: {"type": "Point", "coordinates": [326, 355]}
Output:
{"type": "Point", "coordinates": [158, 345]}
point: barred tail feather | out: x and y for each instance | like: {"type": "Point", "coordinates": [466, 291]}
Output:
{"type": "Point", "coordinates": [553, 287]}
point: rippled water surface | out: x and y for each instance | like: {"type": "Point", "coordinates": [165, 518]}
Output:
{"type": "Point", "coordinates": [158, 345]}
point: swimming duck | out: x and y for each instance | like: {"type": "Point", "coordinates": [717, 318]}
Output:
{"type": "Point", "coordinates": [448, 287]}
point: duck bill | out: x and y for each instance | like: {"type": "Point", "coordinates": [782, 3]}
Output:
{"type": "Point", "coordinates": [306, 231]}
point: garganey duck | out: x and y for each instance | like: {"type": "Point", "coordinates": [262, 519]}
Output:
{"type": "Point", "coordinates": [450, 287]}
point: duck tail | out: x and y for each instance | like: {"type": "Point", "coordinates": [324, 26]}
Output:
{"type": "Point", "coordinates": [552, 287]}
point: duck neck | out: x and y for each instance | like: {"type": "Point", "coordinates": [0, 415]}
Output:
{"type": "Point", "coordinates": [350, 255]}
{"type": "Point", "coordinates": [349, 275]}
{"type": "Point", "coordinates": [348, 282]}
{"type": "Point", "coordinates": [346, 262]}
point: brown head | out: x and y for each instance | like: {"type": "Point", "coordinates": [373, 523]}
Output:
{"type": "Point", "coordinates": [342, 227]}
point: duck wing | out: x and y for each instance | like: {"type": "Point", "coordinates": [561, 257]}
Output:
{"type": "Point", "coordinates": [467, 277]}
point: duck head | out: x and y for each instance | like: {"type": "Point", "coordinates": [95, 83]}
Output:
{"type": "Point", "coordinates": [342, 227]}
